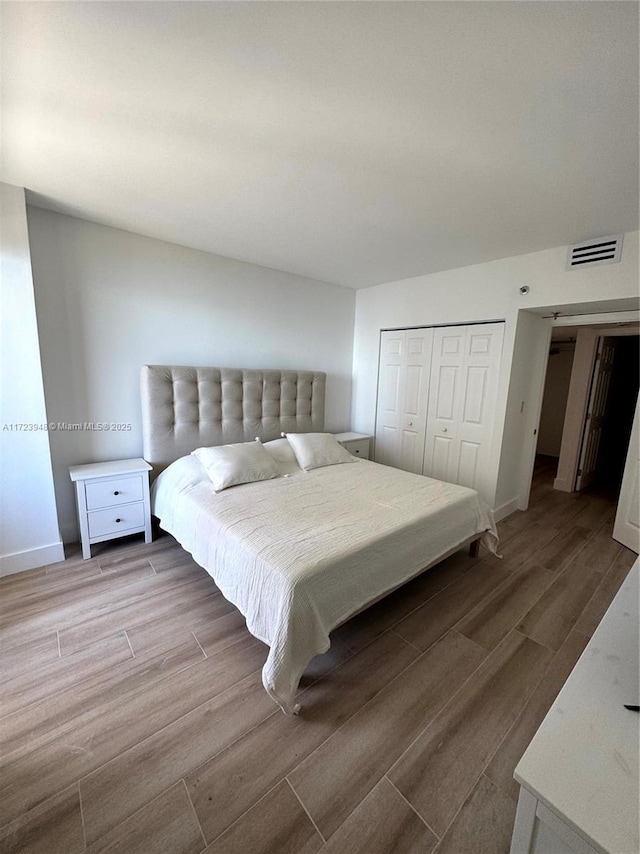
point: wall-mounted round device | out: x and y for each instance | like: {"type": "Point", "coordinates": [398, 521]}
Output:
{"type": "Point", "coordinates": [525, 289]}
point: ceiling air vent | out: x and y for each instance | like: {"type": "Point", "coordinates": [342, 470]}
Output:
{"type": "Point", "coordinates": [602, 250]}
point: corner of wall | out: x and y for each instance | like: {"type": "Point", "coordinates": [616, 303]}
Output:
{"type": "Point", "coordinates": [29, 533]}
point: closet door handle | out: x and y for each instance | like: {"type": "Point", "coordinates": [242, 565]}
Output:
{"type": "Point", "coordinates": [444, 429]}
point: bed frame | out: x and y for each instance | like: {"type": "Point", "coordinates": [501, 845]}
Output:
{"type": "Point", "coordinates": [184, 408]}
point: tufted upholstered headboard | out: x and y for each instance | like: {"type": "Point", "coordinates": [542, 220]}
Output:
{"type": "Point", "coordinates": [185, 408]}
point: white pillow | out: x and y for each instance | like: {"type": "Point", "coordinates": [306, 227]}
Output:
{"type": "Point", "coordinates": [315, 450]}
{"type": "Point", "coordinates": [231, 465]}
{"type": "Point", "coordinates": [282, 453]}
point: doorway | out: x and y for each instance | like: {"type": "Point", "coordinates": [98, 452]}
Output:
{"type": "Point", "coordinates": [590, 392]}
{"type": "Point", "coordinates": [618, 416]}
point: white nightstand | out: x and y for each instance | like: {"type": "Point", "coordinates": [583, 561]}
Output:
{"type": "Point", "coordinates": [356, 443]}
{"type": "Point", "coordinates": [113, 501]}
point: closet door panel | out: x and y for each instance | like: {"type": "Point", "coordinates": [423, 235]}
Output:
{"type": "Point", "coordinates": [415, 390]}
{"type": "Point", "coordinates": [475, 395]}
{"type": "Point", "coordinates": [411, 451]}
{"type": "Point", "coordinates": [442, 460]}
{"type": "Point", "coordinates": [443, 416]}
{"type": "Point", "coordinates": [386, 443]}
{"type": "Point", "coordinates": [444, 399]}
{"type": "Point", "coordinates": [403, 385]}
{"type": "Point", "coordinates": [468, 466]}
{"type": "Point", "coordinates": [390, 391]}
{"type": "Point", "coordinates": [480, 341]}
{"type": "Point", "coordinates": [389, 413]}
{"type": "Point", "coordinates": [464, 384]}
{"type": "Point", "coordinates": [413, 419]}
{"type": "Point", "coordinates": [450, 341]}
{"type": "Point", "coordinates": [413, 384]}
{"type": "Point", "coordinates": [481, 376]}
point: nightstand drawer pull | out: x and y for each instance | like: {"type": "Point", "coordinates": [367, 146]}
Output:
{"type": "Point", "coordinates": [112, 493]}
{"type": "Point", "coordinates": [103, 522]}
{"type": "Point", "coordinates": [359, 448]}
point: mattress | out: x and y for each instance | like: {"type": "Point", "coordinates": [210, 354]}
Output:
{"type": "Point", "coordinates": [299, 554]}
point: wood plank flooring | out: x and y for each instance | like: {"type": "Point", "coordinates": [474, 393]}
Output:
{"type": "Point", "coordinates": [133, 718]}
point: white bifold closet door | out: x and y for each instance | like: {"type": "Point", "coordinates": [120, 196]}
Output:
{"type": "Point", "coordinates": [403, 387]}
{"type": "Point", "coordinates": [463, 387]}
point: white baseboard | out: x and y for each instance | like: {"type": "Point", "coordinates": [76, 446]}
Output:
{"type": "Point", "coordinates": [562, 485]}
{"type": "Point", "coordinates": [31, 559]}
{"type": "Point", "coordinates": [505, 510]}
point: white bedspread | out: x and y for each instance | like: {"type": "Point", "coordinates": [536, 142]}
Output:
{"type": "Point", "coordinates": [300, 554]}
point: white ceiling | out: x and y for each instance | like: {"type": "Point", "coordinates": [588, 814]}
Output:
{"type": "Point", "coordinates": [352, 142]}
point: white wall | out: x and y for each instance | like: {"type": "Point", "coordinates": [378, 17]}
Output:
{"type": "Point", "coordinates": [29, 534]}
{"type": "Point", "coordinates": [554, 402]}
{"type": "Point", "coordinates": [524, 401]}
{"type": "Point", "coordinates": [110, 301]}
{"type": "Point", "coordinates": [480, 293]}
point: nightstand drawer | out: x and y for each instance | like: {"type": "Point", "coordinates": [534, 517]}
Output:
{"type": "Point", "coordinates": [116, 519]}
{"type": "Point", "coordinates": [111, 493]}
{"type": "Point", "coordinates": [359, 448]}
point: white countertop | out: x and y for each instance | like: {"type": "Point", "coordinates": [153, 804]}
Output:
{"type": "Point", "coordinates": [583, 761]}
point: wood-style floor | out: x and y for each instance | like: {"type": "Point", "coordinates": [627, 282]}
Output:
{"type": "Point", "coordinates": [134, 719]}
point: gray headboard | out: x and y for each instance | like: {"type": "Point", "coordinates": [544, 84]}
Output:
{"type": "Point", "coordinates": [185, 408]}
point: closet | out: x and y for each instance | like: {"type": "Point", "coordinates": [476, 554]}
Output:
{"type": "Point", "coordinates": [437, 389]}
{"type": "Point", "coordinates": [403, 386]}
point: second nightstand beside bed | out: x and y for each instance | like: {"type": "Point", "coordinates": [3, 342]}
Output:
{"type": "Point", "coordinates": [358, 444]}
{"type": "Point", "coordinates": [113, 501]}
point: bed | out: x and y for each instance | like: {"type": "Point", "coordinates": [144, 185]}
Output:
{"type": "Point", "coordinates": [301, 552]}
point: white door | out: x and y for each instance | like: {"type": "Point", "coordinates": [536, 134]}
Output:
{"type": "Point", "coordinates": [415, 396]}
{"type": "Point", "coordinates": [445, 403]}
{"type": "Point", "coordinates": [403, 384]}
{"type": "Point", "coordinates": [463, 390]}
{"type": "Point", "coordinates": [596, 408]}
{"type": "Point", "coordinates": [626, 529]}
{"type": "Point", "coordinates": [388, 415]}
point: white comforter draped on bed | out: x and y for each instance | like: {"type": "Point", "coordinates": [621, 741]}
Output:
{"type": "Point", "coordinates": [300, 554]}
